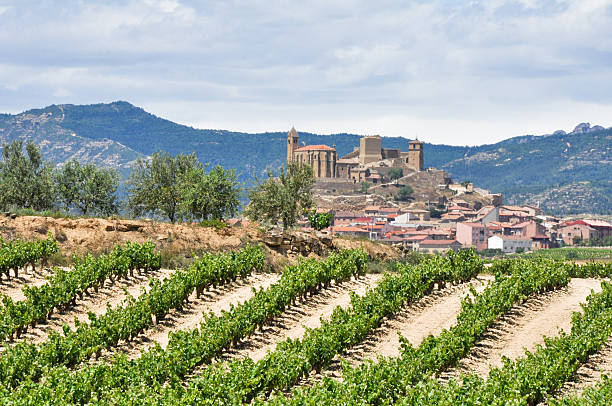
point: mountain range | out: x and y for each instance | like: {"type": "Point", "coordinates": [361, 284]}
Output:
{"type": "Point", "coordinates": [562, 172]}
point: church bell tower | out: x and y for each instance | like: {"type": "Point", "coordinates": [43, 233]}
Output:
{"type": "Point", "coordinates": [292, 144]}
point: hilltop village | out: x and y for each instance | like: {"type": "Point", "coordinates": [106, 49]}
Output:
{"type": "Point", "coordinates": [361, 190]}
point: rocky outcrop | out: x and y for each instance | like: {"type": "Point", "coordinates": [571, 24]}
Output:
{"type": "Point", "coordinates": [298, 243]}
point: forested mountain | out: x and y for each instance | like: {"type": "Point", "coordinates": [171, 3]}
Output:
{"type": "Point", "coordinates": [564, 172]}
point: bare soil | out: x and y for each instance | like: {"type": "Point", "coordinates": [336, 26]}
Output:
{"type": "Point", "coordinates": [215, 300]}
{"type": "Point", "coordinates": [296, 320]}
{"type": "Point", "coordinates": [590, 372]}
{"type": "Point", "coordinates": [110, 294]}
{"type": "Point", "coordinates": [97, 235]}
{"type": "Point", "coordinates": [13, 287]}
{"type": "Point", "coordinates": [415, 322]}
{"type": "Point", "coordinates": [525, 326]}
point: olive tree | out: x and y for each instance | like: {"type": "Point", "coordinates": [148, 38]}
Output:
{"type": "Point", "coordinates": [210, 196]}
{"type": "Point", "coordinates": [179, 188]}
{"type": "Point", "coordinates": [284, 198]}
{"type": "Point", "coordinates": [26, 180]}
{"type": "Point", "coordinates": [87, 187]}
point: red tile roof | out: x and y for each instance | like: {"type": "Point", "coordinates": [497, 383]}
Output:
{"type": "Point", "coordinates": [469, 224]}
{"type": "Point", "coordinates": [363, 220]}
{"type": "Point", "coordinates": [389, 209]}
{"type": "Point", "coordinates": [347, 229]}
{"type": "Point", "coordinates": [315, 148]}
{"type": "Point", "coordinates": [437, 242]}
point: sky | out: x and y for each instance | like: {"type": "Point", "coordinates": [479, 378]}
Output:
{"type": "Point", "coordinates": [446, 71]}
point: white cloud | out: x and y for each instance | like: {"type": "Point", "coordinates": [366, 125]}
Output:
{"type": "Point", "coordinates": [455, 72]}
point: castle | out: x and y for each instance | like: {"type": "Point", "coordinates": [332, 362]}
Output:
{"type": "Point", "coordinates": [365, 163]}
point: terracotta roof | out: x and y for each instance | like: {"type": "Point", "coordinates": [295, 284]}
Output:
{"type": "Point", "coordinates": [459, 208]}
{"type": "Point", "coordinates": [389, 209]}
{"type": "Point", "coordinates": [372, 208]}
{"type": "Point", "coordinates": [416, 238]}
{"type": "Point", "coordinates": [351, 214]}
{"type": "Point", "coordinates": [437, 242]}
{"type": "Point", "coordinates": [452, 216]}
{"type": "Point", "coordinates": [363, 219]}
{"type": "Point", "coordinates": [435, 231]}
{"type": "Point", "coordinates": [513, 213]}
{"type": "Point", "coordinates": [598, 223]}
{"type": "Point", "coordinates": [315, 148]}
{"type": "Point", "coordinates": [469, 224]}
{"type": "Point", "coordinates": [520, 225]}
{"type": "Point", "coordinates": [347, 229]}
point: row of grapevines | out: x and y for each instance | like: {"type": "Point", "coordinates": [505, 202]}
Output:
{"type": "Point", "coordinates": [28, 361]}
{"type": "Point", "coordinates": [64, 286]}
{"type": "Point", "coordinates": [592, 270]}
{"type": "Point", "coordinates": [292, 360]}
{"type": "Point", "coordinates": [186, 349]}
{"type": "Point", "coordinates": [534, 377]}
{"type": "Point", "coordinates": [596, 395]}
{"type": "Point", "coordinates": [388, 380]}
{"type": "Point", "coordinates": [588, 270]}
{"type": "Point", "coordinates": [14, 255]}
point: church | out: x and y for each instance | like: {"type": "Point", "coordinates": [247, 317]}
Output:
{"type": "Point", "coordinates": [360, 165]}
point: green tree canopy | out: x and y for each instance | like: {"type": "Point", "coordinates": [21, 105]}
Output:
{"type": "Point", "coordinates": [26, 181]}
{"type": "Point", "coordinates": [210, 196]}
{"type": "Point", "coordinates": [404, 193]}
{"type": "Point", "coordinates": [396, 173]}
{"type": "Point", "coordinates": [283, 198]}
{"type": "Point", "coordinates": [87, 187]}
{"type": "Point", "coordinates": [178, 187]}
{"type": "Point", "coordinates": [155, 186]}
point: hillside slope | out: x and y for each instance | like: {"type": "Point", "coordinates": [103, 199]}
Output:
{"type": "Point", "coordinates": [563, 172]}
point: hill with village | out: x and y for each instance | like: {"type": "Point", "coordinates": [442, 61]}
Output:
{"type": "Point", "coordinates": [561, 173]}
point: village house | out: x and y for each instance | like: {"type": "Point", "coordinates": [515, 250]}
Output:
{"type": "Point", "coordinates": [473, 235]}
{"type": "Point", "coordinates": [583, 230]}
{"type": "Point", "coordinates": [438, 245]}
{"type": "Point", "coordinates": [509, 243]}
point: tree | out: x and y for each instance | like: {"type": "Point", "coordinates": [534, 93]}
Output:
{"type": "Point", "coordinates": [26, 180]}
{"type": "Point", "coordinates": [88, 187]}
{"type": "Point", "coordinates": [404, 193]}
{"type": "Point", "coordinates": [283, 198]}
{"type": "Point", "coordinates": [155, 186]}
{"type": "Point", "coordinates": [396, 173]}
{"type": "Point", "coordinates": [210, 196]}
{"type": "Point", "coordinates": [179, 187]}
{"type": "Point", "coordinates": [364, 187]}
{"type": "Point", "coordinates": [319, 221]}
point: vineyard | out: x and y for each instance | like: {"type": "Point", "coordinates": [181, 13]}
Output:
{"type": "Point", "coordinates": [117, 329]}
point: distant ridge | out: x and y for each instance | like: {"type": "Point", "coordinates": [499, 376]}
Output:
{"type": "Point", "coordinates": [563, 172]}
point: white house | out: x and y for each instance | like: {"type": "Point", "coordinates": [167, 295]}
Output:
{"type": "Point", "coordinates": [509, 243]}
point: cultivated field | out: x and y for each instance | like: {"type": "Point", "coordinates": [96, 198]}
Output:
{"type": "Point", "coordinates": [119, 329]}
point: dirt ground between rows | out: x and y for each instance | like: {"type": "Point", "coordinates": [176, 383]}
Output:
{"type": "Point", "coordinates": [525, 326]}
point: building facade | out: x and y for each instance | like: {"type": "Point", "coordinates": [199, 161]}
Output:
{"type": "Point", "coordinates": [358, 165]}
